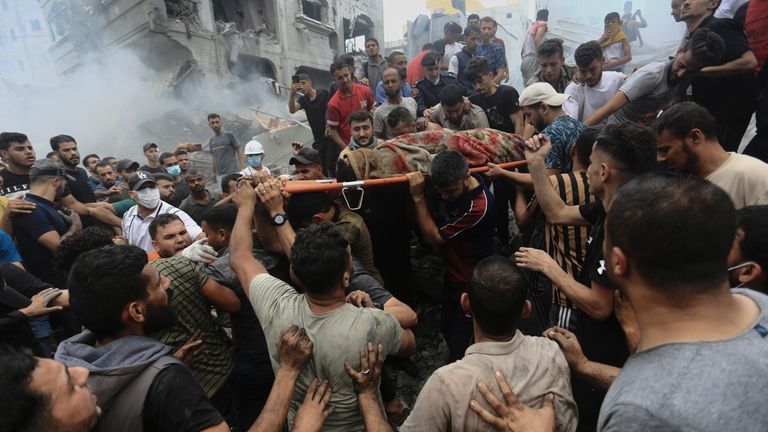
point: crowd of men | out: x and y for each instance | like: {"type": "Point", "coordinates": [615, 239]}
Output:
{"type": "Point", "coordinates": [629, 296]}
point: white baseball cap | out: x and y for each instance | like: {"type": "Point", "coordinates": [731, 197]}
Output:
{"type": "Point", "coordinates": [541, 92]}
{"type": "Point", "coordinates": [253, 147]}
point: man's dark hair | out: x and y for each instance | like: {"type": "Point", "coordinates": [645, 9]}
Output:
{"type": "Point", "coordinates": [319, 258]}
{"type": "Point", "coordinates": [472, 29]}
{"type": "Point", "coordinates": [163, 156]}
{"type": "Point", "coordinates": [676, 231]}
{"type": "Point", "coordinates": [102, 282]}
{"type": "Point", "coordinates": [225, 182]}
{"type": "Point", "coordinates": [681, 118]}
{"type": "Point", "coordinates": [476, 68]}
{"type": "Point", "coordinates": [221, 216]}
{"type": "Point", "coordinates": [50, 155]}
{"type": "Point", "coordinates": [542, 15]}
{"type": "Point", "coordinates": [497, 293]}
{"type": "Point", "coordinates": [338, 65]}
{"type": "Point", "coordinates": [6, 138]}
{"type": "Point", "coordinates": [161, 221]}
{"type": "Point", "coordinates": [193, 172]}
{"type": "Point", "coordinates": [550, 47]}
{"type": "Point", "coordinates": [429, 46]}
{"type": "Point", "coordinates": [77, 244]}
{"type": "Point", "coordinates": [58, 140]}
{"type": "Point", "coordinates": [588, 52]}
{"type": "Point", "coordinates": [753, 220]}
{"type": "Point", "coordinates": [584, 144]}
{"type": "Point", "coordinates": [301, 207]}
{"type": "Point", "coordinates": [87, 157]}
{"type": "Point", "coordinates": [24, 410]}
{"type": "Point", "coordinates": [180, 152]}
{"type": "Point", "coordinates": [473, 16]}
{"type": "Point", "coordinates": [349, 60]}
{"type": "Point", "coordinates": [213, 116]}
{"type": "Point", "coordinates": [490, 20]}
{"type": "Point", "coordinates": [451, 95]}
{"type": "Point", "coordinates": [452, 27]}
{"type": "Point", "coordinates": [630, 145]}
{"type": "Point", "coordinates": [612, 16]}
{"type": "Point", "coordinates": [399, 115]}
{"type": "Point", "coordinates": [372, 39]}
{"type": "Point", "coordinates": [163, 176]}
{"type": "Point", "coordinates": [103, 163]}
{"type": "Point", "coordinates": [304, 77]}
{"type": "Point", "coordinates": [707, 47]}
{"type": "Point", "coordinates": [448, 168]}
{"type": "Point", "coordinates": [392, 55]}
{"type": "Point", "coordinates": [360, 116]}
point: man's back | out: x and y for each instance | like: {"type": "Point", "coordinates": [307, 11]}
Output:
{"type": "Point", "coordinates": [337, 335]}
{"type": "Point", "coordinates": [648, 91]}
{"type": "Point", "coordinates": [744, 178]}
{"type": "Point", "coordinates": [533, 366]}
{"type": "Point", "coordinates": [28, 228]}
{"type": "Point", "coordinates": [707, 386]}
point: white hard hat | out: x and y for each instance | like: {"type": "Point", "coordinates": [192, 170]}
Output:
{"type": "Point", "coordinates": [253, 147]}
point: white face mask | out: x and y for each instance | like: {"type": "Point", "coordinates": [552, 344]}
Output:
{"type": "Point", "coordinates": [148, 197]}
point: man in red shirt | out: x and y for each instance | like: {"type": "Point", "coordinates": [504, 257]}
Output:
{"type": "Point", "coordinates": [349, 98]}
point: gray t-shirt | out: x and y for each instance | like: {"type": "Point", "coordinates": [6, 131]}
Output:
{"type": "Point", "coordinates": [648, 92]}
{"type": "Point", "coordinates": [380, 115]}
{"type": "Point", "coordinates": [224, 148]}
{"type": "Point", "coordinates": [705, 386]}
{"type": "Point", "coordinates": [337, 335]}
{"type": "Point", "coordinates": [361, 280]}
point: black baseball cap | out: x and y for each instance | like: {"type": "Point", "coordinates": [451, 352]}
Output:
{"type": "Point", "coordinates": [148, 146]}
{"type": "Point", "coordinates": [306, 156]}
{"type": "Point", "coordinates": [136, 181]}
{"type": "Point", "coordinates": [49, 167]}
{"type": "Point", "coordinates": [127, 164]}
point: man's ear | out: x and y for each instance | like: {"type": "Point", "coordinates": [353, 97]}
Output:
{"type": "Point", "coordinates": [466, 307]}
{"type": "Point", "coordinates": [135, 312]}
{"type": "Point", "coordinates": [526, 309]}
{"type": "Point", "coordinates": [619, 263]}
{"type": "Point", "coordinates": [317, 218]}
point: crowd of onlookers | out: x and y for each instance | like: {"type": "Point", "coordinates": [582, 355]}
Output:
{"type": "Point", "coordinates": [629, 294]}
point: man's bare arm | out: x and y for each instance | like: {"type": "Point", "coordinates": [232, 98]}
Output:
{"type": "Point", "coordinates": [614, 103]}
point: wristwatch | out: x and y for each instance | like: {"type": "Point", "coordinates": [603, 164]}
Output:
{"type": "Point", "coordinates": [279, 219]}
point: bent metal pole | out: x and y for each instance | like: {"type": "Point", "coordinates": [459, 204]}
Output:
{"type": "Point", "coordinates": [304, 186]}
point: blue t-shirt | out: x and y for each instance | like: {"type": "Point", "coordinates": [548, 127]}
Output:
{"type": "Point", "coordinates": [381, 94]}
{"type": "Point", "coordinates": [29, 228]}
{"type": "Point", "coordinates": [8, 251]}
{"type": "Point", "coordinates": [494, 54]}
{"type": "Point", "coordinates": [563, 133]}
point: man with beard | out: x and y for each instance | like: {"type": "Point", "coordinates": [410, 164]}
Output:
{"type": "Point", "coordinates": [200, 199]}
{"type": "Point", "coordinates": [139, 385]}
{"type": "Point", "coordinates": [455, 114]}
{"type": "Point", "coordinates": [40, 232]}
{"type": "Point", "coordinates": [686, 138]}
{"type": "Point", "coordinates": [66, 148]}
{"type": "Point", "coordinates": [167, 187]}
{"type": "Point", "coordinates": [361, 128]}
{"type": "Point", "coordinates": [89, 163]}
{"type": "Point", "coordinates": [308, 165]}
{"type": "Point", "coordinates": [108, 190]}
{"type": "Point", "coordinates": [399, 62]}
{"type": "Point", "coordinates": [349, 98]}
{"type": "Point", "coordinates": [596, 86]}
{"type": "Point", "coordinates": [654, 85]}
{"type": "Point", "coordinates": [393, 86]}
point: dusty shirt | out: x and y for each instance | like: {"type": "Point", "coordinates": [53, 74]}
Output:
{"type": "Point", "coordinates": [337, 336]}
{"type": "Point", "coordinates": [704, 386]}
{"type": "Point", "coordinates": [744, 178]}
{"type": "Point", "coordinates": [533, 366]}
{"type": "Point", "coordinates": [380, 125]}
{"type": "Point", "coordinates": [474, 118]}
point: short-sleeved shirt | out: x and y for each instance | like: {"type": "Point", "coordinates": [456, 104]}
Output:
{"type": "Point", "coordinates": [694, 386]}
{"type": "Point", "coordinates": [744, 178]}
{"type": "Point", "coordinates": [136, 229]}
{"type": "Point", "coordinates": [467, 225]}
{"type": "Point", "coordinates": [341, 106]}
{"type": "Point", "coordinates": [81, 187]}
{"type": "Point", "coordinates": [499, 107]}
{"type": "Point", "coordinates": [381, 94]}
{"type": "Point", "coordinates": [361, 280]}
{"type": "Point", "coordinates": [337, 335]}
{"type": "Point", "coordinates": [429, 92]}
{"type": "Point", "coordinates": [193, 312]}
{"type": "Point", "coordinates": [29, 228]}
{"type": "Point", "coordinates": [474, 118]}
{"type": "Point", "coordinates": [14, 185]}
{"type": "Point", "coordinates": [355, 231]}
{"type": "Point", "coordinates": [648, 92]}
{"type": "Point", "coordinates": [195, 209]}
{"type": "Point", "coordinates": [380, 115]}
{"type": "Point", "coordinates": [584, 100]}
{"type": "Point", "coordinates": [315, 110]}
{"type": "Point", "coordinates": [494, 53]}
{"type": "Point", "coordinates": [533, 366]}
{"type": "Point", "coordinates": [224, 147]}
{"type": "Point", "coordinates": [8, 251]}
{"type": "Point", "coordinates": [563, 133]}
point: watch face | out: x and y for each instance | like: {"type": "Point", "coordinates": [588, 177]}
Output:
{"type": "Point", "coordinates": [279, 219]}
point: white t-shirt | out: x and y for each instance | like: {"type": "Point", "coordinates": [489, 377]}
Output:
{"type": "Point", "coordinates": [248, 171]}
{"type": "Point", "coordinates": [136, 229]}
{"type": "Point", "coordinates": [584, 100]}
{"type": "Point", "coordinates": [744, 178]}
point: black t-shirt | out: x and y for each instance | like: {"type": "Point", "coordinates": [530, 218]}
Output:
{"type": "Point", "coordinates": [158, 170]}
{"type": "Point", "coordinates": [499, 106]}
{"type": "Point", "coordinates": [594, 264]}
{"type": "Point", "coordinates": [175, 402]}
{"type": "Point", "coordinates": [81, 187]}
{"type": "Point", "coordinates": [315, 110]}
{"type": "Point", "coordinates": [14, 185]}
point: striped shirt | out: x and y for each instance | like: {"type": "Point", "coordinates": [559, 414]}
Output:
{"type": "Point", "coordinates": [214, 364]}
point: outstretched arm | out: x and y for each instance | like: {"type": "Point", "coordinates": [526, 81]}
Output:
{"type": "Point", "coordinates": [241, 259]}
{"type": "Point", "coordinates": [614, 103]}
